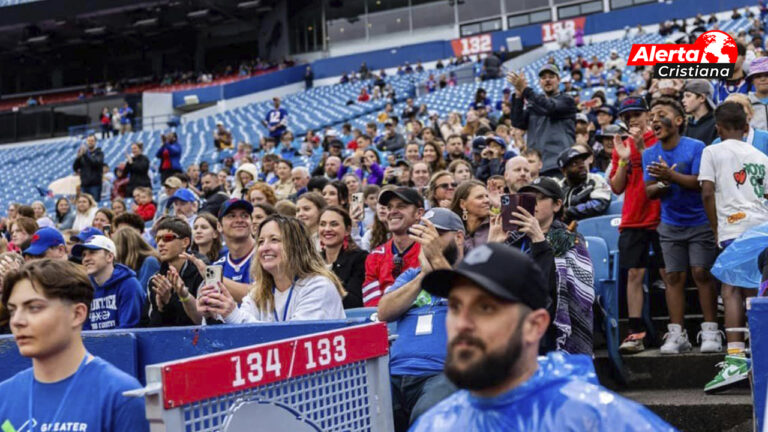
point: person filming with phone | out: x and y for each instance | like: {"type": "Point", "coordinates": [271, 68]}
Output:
{"type": "Point", "coordinates": [549, 118]}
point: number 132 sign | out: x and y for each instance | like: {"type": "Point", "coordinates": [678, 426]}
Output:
{"type": "Point", "coordinates": [550, 30]}
{"type": "Point", "coordinates": [472, 45]}
{"type": "Point", "coordinates": [213, 375]}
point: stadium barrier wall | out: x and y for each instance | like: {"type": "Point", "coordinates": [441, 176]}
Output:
{"type": "Point", "coordinates": [757, 314]}
{"type": "Point", "coordinates": [132, 350]}
{"type": "Point", "coordinates": [335, 380]}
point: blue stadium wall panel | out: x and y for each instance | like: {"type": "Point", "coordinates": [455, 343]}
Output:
{"type": "Point", "coordinates": [132, 350]}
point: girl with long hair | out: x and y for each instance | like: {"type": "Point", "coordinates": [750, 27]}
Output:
{"type": "Point", "coordinates": [63, 215]}
{"type": "Point", "coordinates": [206, 238]}
{"type": "Point", "coordinates": [472, 203]}
{"type": "Point", "coordinates": [135, 253]}
{"type": "Point", "coordinates": [341, 253]}
{"type": "Point", "coordinates": [336, 193]}
{"type": "Point", "coordinates": [433, 156]}
{"type": "Point", "coordinates": [292, 281]}
{"type": "Point", "coordinates": [85, 211]}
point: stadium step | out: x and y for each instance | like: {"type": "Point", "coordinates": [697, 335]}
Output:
{"type": "Point", "coordinates": [671, 386]}
{"type": "Point", "coordinates": [691, 410]}
{"type": "Point", "coordinates": [651, 370]}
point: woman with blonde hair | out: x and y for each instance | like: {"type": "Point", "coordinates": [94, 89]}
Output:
{"type": "Point", "coordinates": [452, 126]}
{"type": "Point", "coordinates": [136, 254]}
{"type": "Point", "coordinates": [292, 281]}
{"type": "Point", "coordinates": [440, 189]}
{"type": "Point", "coordinates": [85, 211]}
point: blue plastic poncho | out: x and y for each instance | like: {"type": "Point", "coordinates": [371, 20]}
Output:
{"type": "Point", "coordinates": [737, 264]}
{"type": "Point", "coordinates": [563, 395]}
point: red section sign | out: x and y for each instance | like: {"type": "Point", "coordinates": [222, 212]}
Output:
{"type": "Point", "coordinates": [192, 380]}
{"type": "Point", "coordinates": [550, 30]}
{"type": "Point", "coordinates": [472, 45]}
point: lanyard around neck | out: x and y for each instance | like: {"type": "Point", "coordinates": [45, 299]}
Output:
{"type": "Point", "coordinates": [287, 302]}
{"type": "Point", "coordinates": [69, 388]}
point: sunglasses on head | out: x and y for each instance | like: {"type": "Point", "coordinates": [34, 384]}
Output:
{"type": "Point", "coordinates": [166, 238]}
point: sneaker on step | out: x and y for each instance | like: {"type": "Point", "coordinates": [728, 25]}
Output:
{"type": "Point", "coordinates": [676, 340]}
{"type": "Point", "coordinates": [633, 344]}
{"type": "Point", "coordinates": [733, 370]}
{"type": "Point", "coordinates": [710, 338]}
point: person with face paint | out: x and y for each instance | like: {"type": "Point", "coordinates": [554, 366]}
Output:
{"type": "Point", "coordinates": [495, 318]}
{"type": "Point", "coordinates": [671, 169]}
{"type": "Point", "coordinates": [586, 194]}
{"type": "Point", "coordinates": [418, 354]}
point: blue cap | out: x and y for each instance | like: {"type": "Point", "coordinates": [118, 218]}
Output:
{"type": "Point", "coordinates": [234, 203]}
{"type": "Point", "coordinates": [185, 195]}
{"type": "Point", "coordinates": [497, 140]}
{"type": "Point", "coordinates": [86, 234]}
{"type": "Point", "coordinates": [632, 104]}
{"type": "Point", "coordinates": [42, 240]}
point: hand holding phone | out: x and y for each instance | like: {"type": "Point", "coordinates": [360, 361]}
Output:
{"type": "Point", "coordinates": [213, 275]}
{"type": "Point", "coordinates": [510, 204]}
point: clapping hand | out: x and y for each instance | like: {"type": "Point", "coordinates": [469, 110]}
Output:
{"type": "Point", "coordinates": [163, 289]}
{"type": "Point", "coordinates": [621, 149]}
{"type": "Point", "coordinates": [661, 171]}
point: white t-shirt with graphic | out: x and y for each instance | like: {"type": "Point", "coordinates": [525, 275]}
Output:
{"type": "Point", "coordinates": [739, 173]}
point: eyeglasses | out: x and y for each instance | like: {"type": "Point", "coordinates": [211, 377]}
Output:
{"type": "Point", "coordinates": [398, 268]}
{"type": "Point", "coordinates": [166, 238]}
{"type": "Point", "coordinates": [447, 186]}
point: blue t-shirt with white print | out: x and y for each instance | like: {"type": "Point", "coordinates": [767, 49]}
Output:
{"type": "Point", "coordinates": [94, 404]}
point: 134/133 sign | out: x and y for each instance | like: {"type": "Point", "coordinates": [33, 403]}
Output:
{"type": "Point", "coordinates": [218, 374]}
{"type": "Point", "coordinates": [472, 45]}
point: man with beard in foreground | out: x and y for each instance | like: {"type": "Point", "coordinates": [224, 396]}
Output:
{"type": "Point", "coordinates": [496, 317]}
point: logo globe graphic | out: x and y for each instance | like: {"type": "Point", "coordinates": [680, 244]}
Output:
{"type": "Point", "coordinates": [717, 47]}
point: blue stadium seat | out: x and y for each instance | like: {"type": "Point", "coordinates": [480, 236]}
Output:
{"type": "Point", "coordinates": [615, 208]}
{"type": "Point", "coordinates": [607, 299]}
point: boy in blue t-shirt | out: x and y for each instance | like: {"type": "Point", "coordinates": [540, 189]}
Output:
{"type": "Point", "coordinates": [48, 301]}
{"type": "Point", "coordinates": [671, 169]}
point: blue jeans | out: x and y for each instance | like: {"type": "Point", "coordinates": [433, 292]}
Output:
{"type": "Point", "coordinates": [413, 395]}
{"type": "Point", "coordinates": [94, 191]}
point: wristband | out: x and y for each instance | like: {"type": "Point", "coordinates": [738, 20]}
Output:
{"type": "Point", "coordinates": [185, 299]}
{"type": "Point", "coordinates": [623, 163]}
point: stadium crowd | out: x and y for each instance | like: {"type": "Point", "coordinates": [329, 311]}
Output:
{"type": "Point", "coordinates": [412, 195]}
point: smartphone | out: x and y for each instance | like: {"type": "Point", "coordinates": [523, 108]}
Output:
{"type": "Point", "coordinates": [509, 205]}
{"type": "Point", "coordinates": [590, 103]}
{"type": "Point", "coordinates": [107, 230]}
{"type": "Point", "coordinates": [213, 275]}
{"type": "Point", "coordinates": [357, 204]}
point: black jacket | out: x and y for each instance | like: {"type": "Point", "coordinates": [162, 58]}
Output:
{"type": "Point", "coordinates": [89, 165]}
{"type": "Point", "coordinates": [350, 268]}
{"type": "Point", "coordinates": [702, 130]}
{"type": "Point", "coordinates": [549, 121]}
{"type": "Point", "coordinates": [213, 201]}
{"type": "Point", "coordinates": [138, 174]}
{"type": "Point", "coordinates": [173, 313]}
{"type": "Point", "coordinates": [489, 168]}
{"type": "Point", "coordinates": [589, 199]}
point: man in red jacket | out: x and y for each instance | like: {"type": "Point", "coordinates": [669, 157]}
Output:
{"type": "Point", "coordinates": [639, 217]}
{"type": "Point", "coordinates": [385, 263]}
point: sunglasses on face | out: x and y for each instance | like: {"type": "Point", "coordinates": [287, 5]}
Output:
{"type": "Point", "coordinates": [447, 186]}
{"type": "Point", "coordinates": [166, 238]}
{"type": "Point", "coordinates": [398, 268]}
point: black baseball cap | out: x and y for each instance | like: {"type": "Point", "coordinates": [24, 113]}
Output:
{"type": "Point", "coordinates": [406, 194]}
{"type": "Point", "coordinates": [545, 186]}
{"type": "Point", "coordinates": [566, 156]}
{"type": "Point", "coordinates": [402, 162]}
{"type": "Point", "coordinates": [501, 270]}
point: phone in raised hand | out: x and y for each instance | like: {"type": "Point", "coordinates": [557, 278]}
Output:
{"type": "Point", "coordinates": [213, 275]}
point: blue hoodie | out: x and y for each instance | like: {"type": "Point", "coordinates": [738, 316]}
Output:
{"type": "Point", "coordinates": [118, 303]}
{"type": "Point", "coordinates": [563, 395]}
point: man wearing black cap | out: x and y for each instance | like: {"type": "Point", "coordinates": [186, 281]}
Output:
{"type": "Point", "coordinates": [547, 117]}
{"type": "Point", "coordinates": [586, 194]}
{"type": "Point", "coordinates": [385, 263]}
{"type": "Point", "coordinates": [496, 317]}
{"type": "Point", "coordinates": [418, 354]}
{"type": "Point", "coordinates": [392, 140]}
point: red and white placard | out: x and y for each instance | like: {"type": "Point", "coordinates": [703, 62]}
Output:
{"type": "Point", "coordinates": [212, 375]}
{"type": "Point", "coordinates": [472, 45]}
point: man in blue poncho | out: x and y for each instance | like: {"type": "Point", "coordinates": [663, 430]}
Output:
{"type": "Point", "coordinates": [496, 317]}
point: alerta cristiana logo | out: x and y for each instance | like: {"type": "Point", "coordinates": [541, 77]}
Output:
{"type": "Point", "coordinates": [712, 56]}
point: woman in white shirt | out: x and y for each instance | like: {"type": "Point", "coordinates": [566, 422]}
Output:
{"type": "Point", "coordinates": [86, 211]}
{"type": "Point", "coordinates": [292, 282]}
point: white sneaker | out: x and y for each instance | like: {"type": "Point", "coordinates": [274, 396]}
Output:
{"type": "Point", "coordinates": [676, 340]}
{"type": "Point", "coordinates": [710, 338]}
